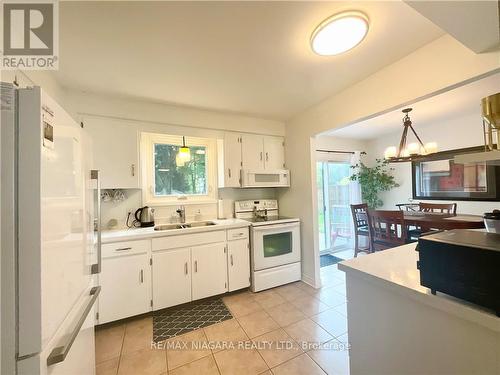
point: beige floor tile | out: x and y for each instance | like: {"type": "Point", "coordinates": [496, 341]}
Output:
{"type": "Point", "coordinates": [204, 366]}
{"type": "Point", "coordinates": [285, 314]}
{"type": "Point", "coordinates": [224, 333]}
{"type": "Point", "coordinates": [334, 360]}
{"type": "Point", "coordinates": [277, 347]}
{"type": "Point", "coordinates": [238, 297]}
{"type": "Point", "coordinates": [341, 309]}
{"type": "Point", "coordinates": [330, 280]}
{"type": "Point", "coordinates": [300, 365]}
{"type": "Point", "coordinates": [109, 367]}
{"type": "Point", "coordinates": [307, 332]}
{"type": "Point", "coordinates": [307, 288]}
{"type": "Point", "coordinates": [310, 305]}
{"type": "Point", "coordinates": [144, 362]}
{"type": "Point", "coordinates": [257, 323]}
{"type": "Point", "coordinates": [108, 342]}
{"type": "Point", "coordinates": [340, 288]}
{"type": "Point", "coordinates": [138, 335]}
{"type": "Point", "coordinates": [334, 322]}
{"type": "Point", "coordinates": [290, 292]}
{"type": "Point", "coordinates": [243, 307]}
{"type": "Point", "coordinates": [186, 348]}
{"type": "Point", "coordinates": [240, 362]}
{"type": "Point", "coordinates": [330, 297]}
{"type": "Point", "coordinates": [268, 298]}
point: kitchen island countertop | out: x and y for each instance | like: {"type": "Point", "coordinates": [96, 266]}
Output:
{"type": "Point", "coordinates": [396, 269]}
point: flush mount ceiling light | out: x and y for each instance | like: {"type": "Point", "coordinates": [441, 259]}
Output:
{"type": "Point", "coordinates": [339, 33]}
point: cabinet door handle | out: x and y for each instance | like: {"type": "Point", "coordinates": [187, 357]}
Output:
{"type": "Point", "coordinates": [195, 266]}
{"type": "Point", "coordinates": [185, 268]}
{"type": "Point", "coordinates": [141, 276]}
{"type": "Point", "coordinates": [267, 156]}
{"type": "Point", "coordinates": [229, 172]}
{"type": "Point", "coordinates": [232, 263]}
{"type": "Point", "coordinates": [261, 156]}
{"type": "Point", "coordinates": [132, 168]}
{"type": "Point", "coordinates": [123, 249]}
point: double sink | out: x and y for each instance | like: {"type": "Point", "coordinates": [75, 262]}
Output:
{"type": "Point", "coordinates": [195, 224]}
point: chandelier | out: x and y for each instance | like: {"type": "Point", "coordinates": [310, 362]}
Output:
{"type": "Point", "coordinates": [412, 151]}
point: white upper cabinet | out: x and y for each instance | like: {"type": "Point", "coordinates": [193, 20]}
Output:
{"type": "Point", "coordinates": [252, 151]}
{"type": "Point", "coordinates": [116, 152]}
{"type": "Point", "coordinates": [229, 150]}
{"type": "Point", "coordinates": [274, 153]}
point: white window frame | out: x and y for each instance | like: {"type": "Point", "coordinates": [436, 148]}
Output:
{"type": "Point", "coordinates": [147, 157]}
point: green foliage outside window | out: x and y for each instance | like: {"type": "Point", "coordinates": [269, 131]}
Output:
{"type": "Point", "coordinates": [170, 179]}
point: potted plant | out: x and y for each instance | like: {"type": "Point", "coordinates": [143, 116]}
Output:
{"type": "Point", "coordinates": [373, 181]}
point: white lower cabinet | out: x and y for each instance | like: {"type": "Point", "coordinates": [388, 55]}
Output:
{"type": "Point", "coordinates": [238, 264]}
{"type": "Point", "coordinates": [171, 277]}
{"type": "Point", "coordinates": [125, 287]}
{"type": "Point", "coordinates": [143, 275]}
{"type": "Point", "coordinates": [209, 276]}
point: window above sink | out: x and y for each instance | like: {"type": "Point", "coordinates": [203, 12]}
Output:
{"type": "Point", "coordinates": [170, 180]}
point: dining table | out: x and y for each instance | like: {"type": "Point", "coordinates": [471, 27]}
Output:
{"type": "Point", "coordinates": [444, 221]}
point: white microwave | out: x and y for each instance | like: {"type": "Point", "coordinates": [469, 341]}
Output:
{"type": "Point", "coordinates": [265, 178]}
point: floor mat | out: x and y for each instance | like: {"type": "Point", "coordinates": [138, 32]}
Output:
{"type": "Point", "coordinates": [176, 321]}
{"type": "Point", "coordinates": [328, 260]}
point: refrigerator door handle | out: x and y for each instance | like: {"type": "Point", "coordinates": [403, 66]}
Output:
{"type": "Point", "coordinates": [94, 175]}
{"type": "Point", "coordinates": [59, 353]}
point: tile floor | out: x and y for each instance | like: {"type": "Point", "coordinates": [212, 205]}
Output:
{"type": "Point", "coordinates": [292, 329]}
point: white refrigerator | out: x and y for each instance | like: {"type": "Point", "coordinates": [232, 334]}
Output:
{"type": "Point", "coordinates": [50, 255]}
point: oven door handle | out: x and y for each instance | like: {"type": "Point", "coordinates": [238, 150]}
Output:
{"type": "Point", "coordinates": [262, 228]}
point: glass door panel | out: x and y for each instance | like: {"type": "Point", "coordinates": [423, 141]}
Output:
{"type": "Point", "coordinates": [334, 221]}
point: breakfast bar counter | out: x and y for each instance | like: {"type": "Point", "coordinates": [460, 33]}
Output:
{"type": "Point", "coordinates": [396, 326]}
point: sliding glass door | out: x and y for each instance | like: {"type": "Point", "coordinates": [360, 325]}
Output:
{"type": "Point", "coordinates": [334, 219]}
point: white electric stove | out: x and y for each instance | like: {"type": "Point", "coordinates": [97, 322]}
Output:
{"type": "Point", "coordinates": [275, 243]}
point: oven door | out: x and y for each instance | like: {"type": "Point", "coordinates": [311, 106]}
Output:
{"type": "Point", "coordinates": [275, 245]}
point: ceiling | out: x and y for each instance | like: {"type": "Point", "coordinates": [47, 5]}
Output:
{"type": "Point", "coordinates": [462, 100]}
{"type": "Point", "coordinates": [245, 57]}
{"type": "Point", "coordinates": [476, 24]}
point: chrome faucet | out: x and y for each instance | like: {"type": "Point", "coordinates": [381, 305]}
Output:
{"type": "Point", "coordinates": [181, 211]}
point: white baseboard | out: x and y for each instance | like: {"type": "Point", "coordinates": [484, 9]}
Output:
{"type": "Point", "coordinates": [308, 280]}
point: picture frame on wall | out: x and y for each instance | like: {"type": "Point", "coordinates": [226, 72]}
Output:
{"type": "Point", "coordinates": [438, 177]}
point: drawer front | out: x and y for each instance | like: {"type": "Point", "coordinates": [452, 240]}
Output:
{"type": "Point", "coordinates": [110, 250]}
{"type": "Point", "coordinates": [187, 240]}
{"type": "Point", "coordinates": [237, 234]}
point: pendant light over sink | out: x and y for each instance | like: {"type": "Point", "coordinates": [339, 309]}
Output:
{"type": "Point", "coordinates": [184, 154]}
{"type": "Point", "coordinates": [339, 33]}
{"type": "Point", "coordinates": [409, 152]}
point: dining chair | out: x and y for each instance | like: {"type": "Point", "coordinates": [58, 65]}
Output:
{"type": "Point", "coordinates": [408, 206]}
{"type": "Point", "coordinates": [387, 229]}
{"type": "Point", "coordinates": [361, 228]}
{"type": "Point", "coordinates": [445, 208]}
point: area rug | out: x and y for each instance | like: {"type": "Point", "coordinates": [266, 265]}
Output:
{"type": "Point", "coordinates": [328, 260]}
{"type": "Point", "coordinates": [172, 322]}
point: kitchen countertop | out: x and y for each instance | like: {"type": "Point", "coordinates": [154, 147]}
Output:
{"type": "Point", "coordinates": [396, 269]}
{"type": "Point", "coordinates": [109, 236]}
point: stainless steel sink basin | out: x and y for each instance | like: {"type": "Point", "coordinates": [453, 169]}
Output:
{"type": "Point", "coordinates": [194, 224]}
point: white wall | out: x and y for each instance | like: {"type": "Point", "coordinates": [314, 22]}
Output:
{"type": "Point", "coordinates": [460, 131]}
{"type": "Point", "coordinates": [430, 69]}
{"type": "Point", "coordinates": [178, 120]}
